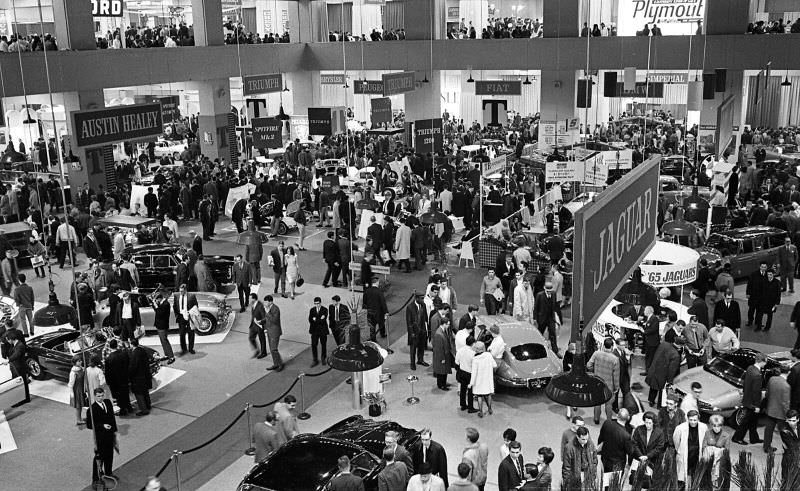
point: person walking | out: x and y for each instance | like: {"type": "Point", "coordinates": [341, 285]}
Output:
{"type": "Point", "coordinates": [182, 303]}
{"type": "Point", "coordinates": [491, 294]}
{"type": "Point", "coordinates": [23, 296]}
{"type": "Point", "coordinates": [442, 354]}
{"type": "Point", "coordinates": [580, 460]}
{"type": "Point", "coordinates": [417, 329]}
{"type": "Point", "coordinates": [374, 302]}
{"type": "Point", "coordinates": [292, 270]}
{"type": "Point", "coordinates": [778, 396]}
{"type": "Point", "coordinates": [751, 402]}
{"type": "Point", "coordinates": [17, 360]}
{"type": "Point", "coordinates": [339, 318]}
{"type": "Point", "coordinates": [616, 442]}
{"type": "Point", "coordinates": [787, 258]}
{"type": "Point", "coordinates": [66, 240]}
{"type": "Point", "coordinates": [287, 420]}
{"type": "Point", "coordinates": [253, 255]}
{"type": "Point", "coordinates": [481, 380]}
{"type": "Point", "coordinates": [77, 389]}
{"type": "Point", "coordinates": [117, 376]}
{"type": "Point", "coordinates": [665, 367]}
{"type": "Point", "coordinates": [688, 439]}
{"type": "Point", "coordinates": [476, 455]}
{"type": "Point", "coordinates": [547, 315]}
{"type": "Point", "coordinates": [768, 299]}
{"type": "Point", "coordinates": [605, 365]}
{"type": "Point", "coordinates": [464, 356]}
{"type": "Point", "coordinates": [161, 323]}
{"type": "Point", "coordinates": [241, 278]}
{"type": "Point", "coordinates": [755, 286]}
{"type": "Point", "coordinates": [301, 218]}
{"type": "Point", "coordinates": [790, 435]}
{"type": "Point", "coordinates": [318, 329]}
{"type": "Point", "coordinates": [273, 331]}
{"type": "Point", "coordinates": [141, 379]}
{"type": "Point", "coordinates": [266, 437]}
{"type": "Point", "coordinates": [277, 259]}
{"type": "Point", "coordinates": [330, 254]}
{"type": "Point", "coordinates": [101, 419]}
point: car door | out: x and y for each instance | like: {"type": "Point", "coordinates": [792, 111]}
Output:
{"type": "Point", "coordinates": [746, 262]}
{"type": "Point", "coordinates": [148, 279]}
{"type": "Point", "coordinates": [164, 268]}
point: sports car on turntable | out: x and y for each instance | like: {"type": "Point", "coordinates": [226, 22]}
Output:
{"type": "Point", "coordinates": [309, 462]}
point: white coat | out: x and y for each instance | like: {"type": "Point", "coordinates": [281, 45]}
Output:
{"type": "Point", "coordinates": [402, 243]}
{"type": "Point", "coordinates": [523, 303]}
{"type": "Point", "coordinates": [482, 379]}
{"type": "Point", "coordinates": [681, 440]}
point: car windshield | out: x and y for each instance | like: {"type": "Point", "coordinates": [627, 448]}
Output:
{"type": "Point", "coordinates": [529, 351]}
{"type": "Point", "coordinates": [300, 466]}
{"type": "Point", "coordinates": [725, 245]}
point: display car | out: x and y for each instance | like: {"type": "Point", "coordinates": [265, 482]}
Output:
{"type": "Point", "coordinates": [51, 353]}
{"type": "Point", "coordinates": [744, 248]}
{"type": "Point", "coordinates": [528, 360]}
{"type": "Point", "coordinates": [787, 152]}
{"type": "Point", "coordinates": [309, 462]}
{"type": "Point", "coordinates": [330, 167]}
{"type": "Point", "coordinates": [169, 148]}
{"type": "Point", "coordinates": [156, 264]}
{"type": "Point", "coordinates": [722, 379]}
{"type": "Point", "coordinates": [287, 222]}
{"type": "Point", "coordinates": [675, 193]}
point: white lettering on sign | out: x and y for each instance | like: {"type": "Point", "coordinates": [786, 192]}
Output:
{"type": "Point", "coordinates": [139, 121]}
{"type": "Point", "coordinates": [393, 84]}
{"type": "Point", "coordinates": [98, 127]}
{"type": "Point", "coordinates": [620, 235]}
{"type": "Point", "coordinates": [429, 131]}
{"type": "Point", "coordinates": [106, 8]}
{"type": "Point", "coordinates": [263, 84]}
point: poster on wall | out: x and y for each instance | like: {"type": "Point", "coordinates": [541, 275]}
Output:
{"type": "Point", "coordinates": [381, 111]}
{"type": "Point", "coordinates": [674, 17]}
{"type": "Point", "coordinates": [495, 112]}
{"type": "Point", "coordinates": [428, 135]}
{"type": "Point", "coordinates": [267, 133]}
{"type": "Point", "coordinates": [319, 121]}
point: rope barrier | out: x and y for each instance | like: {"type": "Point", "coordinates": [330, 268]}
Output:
{"type": "Point", "coordinates": [318, 373]}
{"type": "Point", "coordinates": [259, 406]}
{"type": "Point", "coordinates": [236, 419]}
{"type": "Point", "coordinates": [410, 298]}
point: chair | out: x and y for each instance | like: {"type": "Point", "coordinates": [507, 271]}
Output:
{"type": "Point", "coordinates": [466, 254]}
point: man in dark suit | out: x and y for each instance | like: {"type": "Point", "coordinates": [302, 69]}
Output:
{"type": "Point", "coordinates": [197, 242]}
{"type": "Point", "coordinates": [433, 453]}
{"type": "Point", "coordinates": [339, 319]}
{"type": "Point", "coordinates": [652, 336]}
{"type": "Point", "coordinates": [790, 435]}
{"type": "Point", "coordinates": [116, 368]}
{"type": "Point", "coordinates": [417, 327]}
{"type": "Point", "coordinates": [318, 328]}
{"type": "Point", "coordinates": [90, 246]}
{"type": "Point", "coordinates": [468, 320]}
{"type": "Point", "coordinates": [400, 453]}
{"type": "Point", "coordinates": [17, 360]}
{"type": "Point", "coordinates": [510, 471]}
{"type": "Point", "coordinates": [394, 475]}
{"type": "Point", "coordinates": [241, 278]}
{"type": "Point", "coordinates": [755, 288]}
{"type": "Point", "coordinates": [123, 278]}
{"type": "Point", "coordinates": [101, 419]}
{"type": "Point", "coordinates": [330, 254]}
{"type": "Point", "coordinates": [273, 329]}
{"type": "Point", "coordinates": [727, 309]}
{"type": "Point", "coordinates": [751, 402]}
{"type": "Point", "coordinates": [161, 312]}
{"type": "Point", "coordinates": [699, 307]}
{"type": "Point", "coordinates": [547, 314]}
{"type": "Point", "coordinates": [616, 442]}
{"type": "Point", "coordinates": [374, 303]}
{"type": "Point", "coordinates": [344, 480]}
{"type": "Point", "coordinates": [418, 239]}
{"type": "Point", "coordinates": [266, 436]}
{"type": "Point", "coordinates": [279, 268]}
{"type": "Point", "coordinates": [182, 303]}
{"type": "Point", "coordinates": [257, 323]}
{"type": "Point", "coordinates": [622, 354]}
{"type": "Point", "coordinates": [375, 232]}
{"type": "Point", "coordinates": [182, 273]}
{"type": "Point", "coordinates": [140, 378]}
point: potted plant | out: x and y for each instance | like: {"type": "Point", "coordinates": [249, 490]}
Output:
{"type": "Point", "coordinates": [376, 403]}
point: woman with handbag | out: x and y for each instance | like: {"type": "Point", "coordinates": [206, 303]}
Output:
{"type": "Point", "coordinates": [77, 386]}
{"type": "Point", "coordinates": [38, 254]}
{"type": "Point", "coordinates": [292, 270]}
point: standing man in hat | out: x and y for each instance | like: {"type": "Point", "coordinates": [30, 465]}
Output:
{"type": "Point", "coordinates": [547, 314]}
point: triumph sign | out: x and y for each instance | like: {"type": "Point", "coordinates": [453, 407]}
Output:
{"type": "Point", "coordinates": [674, 17]}
{"type": "Point", "coordinates": [612, 236]}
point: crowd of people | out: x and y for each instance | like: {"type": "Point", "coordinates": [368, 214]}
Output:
{"type": "Point", "coordinates": [774, 27]}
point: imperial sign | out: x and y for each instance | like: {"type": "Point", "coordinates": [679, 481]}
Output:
{"type": "Point", "coordinates": [114, 124]}
{"type": "Point", "coordinates": [612, 236]}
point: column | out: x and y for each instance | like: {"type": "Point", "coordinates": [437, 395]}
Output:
{"type": "Point", "coordinates": [721, 115]}
{"type": "Point", "coordinates": [560, 18]}
{"type": "Point", "coordinates": [422, 16]}
{"type": "Point", "coordinates": [304, 92]}
{"type": "Point", "coordinates": [727, 16]}
{"type": "Point", "coordinates": [207, 19]}
{"type": "Point", "coordinates": [93, 161]}
{"type": "Point", "coordinates": [426, 101]}
{"type": "Point", "coordinates": [74, 26]}
{"type": "Point", "coordinates": [214, 99]}
{"type": "Point", "coordinates": [558, 94]}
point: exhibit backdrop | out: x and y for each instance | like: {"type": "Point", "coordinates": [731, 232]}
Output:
{"type": "Point", "coordinates": [673, 17]}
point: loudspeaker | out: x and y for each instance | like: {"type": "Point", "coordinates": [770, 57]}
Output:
{"type": "Point", "coordinates": [708, 85]}
{"type": "Point", "coordinates": [610, 84]}
{"type": "Point", "coordinates": [584, 94]}
{"type": "Point", "coordinates": [720, 76]}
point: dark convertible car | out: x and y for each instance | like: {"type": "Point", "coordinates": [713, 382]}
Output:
{"type": "Point", "coordinates": [51, 353]}
{"type": "Point", "coordinates": [156, 264]}
{"type": "Point", "coordinates": [308, 462]}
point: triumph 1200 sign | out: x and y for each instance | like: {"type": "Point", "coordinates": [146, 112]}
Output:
{"type": "Point", "coordinates": [673, 17]}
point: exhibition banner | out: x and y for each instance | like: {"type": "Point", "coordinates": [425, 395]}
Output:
{"type": "Point", "coordinates": [497, 164]}
{"type": "Point", "coordinates": [267, 133]}
{"type": "Point", "coordinates": [558, 133]}
{"type": "Point", "coordinates": [262, 84]}
{"type": "Point", "coordinates": [115, 124]}
{"type": "Point", "coordinates": [397, 83]}
{"type": "Point", "coordinates": [666, 275]}
{"type": "Point", "coordinates": [428, 136]}
{"type": "Point", "coordinates": [593, 172]}
{"type": "Point", "coordinates": [558, 172]}
{"type": "Point", "coordinates": [618, 159]}
{"type": "Point", "coordinates": [170, 108]}
{"type": "Point", "coordinates": [106, 8]}
{"type": "Point", "coordinates": [319, 121]}
{"type": "Point", "coordinates": [674, 17]}
{"type": "Point", "coordinates": [495, 112]}
{"type": "Point", "coordinates": [332, 79]}
{"type": "Point", "coordinates": [368, 87]}
{"type": "Point", "coordinates": [498, 87]}
{"type": "Point", "coordinates": [381, 111]}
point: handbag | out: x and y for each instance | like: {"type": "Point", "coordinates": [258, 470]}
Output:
{"type": "Point", "coordinates": [37, 260]}
{"type": "Point", "coordinates": [299, 281]}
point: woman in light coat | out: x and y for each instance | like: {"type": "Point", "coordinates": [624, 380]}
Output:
{"type": "Point", "coordinates": [95, 378]}
{"type": "Point", "coordinates": [482, 379]}
{"type": "Point", "coordinates": [402, 242]}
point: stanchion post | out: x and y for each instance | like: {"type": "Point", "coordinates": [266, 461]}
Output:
{"type": "Point", "coordinates": [251, 450]}
{"type": "Point", "coordinates": [176, 457]}
{"type": "Point", "coordinates": [303, 414]}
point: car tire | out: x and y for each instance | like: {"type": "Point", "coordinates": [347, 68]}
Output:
{"type": "Point", "coordinates": [35, 369]}
{"type": "Point", "coordinates": [282, 228]}
{"type": "Point", "coordinates": [735, 419]}
{"type": "Point", "coordinates": [208, 324]}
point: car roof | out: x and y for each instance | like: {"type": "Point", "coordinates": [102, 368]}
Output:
{"type": "Point", "coordinates": [750, 232]}
{"type": "Point", "coordinates": [153, 248]}
{"type": "Point", "coordinates": [512, 330]}
{"type": "Point", "coordinates": [367, 433]}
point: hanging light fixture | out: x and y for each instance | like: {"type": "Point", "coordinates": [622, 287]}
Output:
{"type": "Point", "coordinates": [282, 114]}
{"type": "Point", "coordinates": [285, 87]}
{"type": "Point", "coordinates": [578, 388]}
{"type": "Point", "coordinates": [786, 82]}
{"type": "Point", "coordinates": [470, 80]}
{"type": "Point", "coordinates": [527, 81]}
{"type": "Point", "coordinates": [425, 80]}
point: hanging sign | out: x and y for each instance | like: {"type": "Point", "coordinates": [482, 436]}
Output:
{"type": "Point", "coordinates": [262, 84]}
{"type": "Point", "coordinates": [381, 111]}
{"type": "Point", "coordinates": [642, 90]}
{"type": "Point", "coordinates": [661, 275]}
{"type": "Point", "coordinates": [674, 17]}
{"type": "Point", "coordinates": [256, 108]}
{"type": "Point", "coordinates": [668, 78]}
{"type": "Point", "coordinates": [498, 87]}
{"type": "Point", "coordinates": [115, 124]}
{"type": "Point", "coordinates": [397, 83]}
{"type": "Point", "coordinates": [428, 136]}
{"type": "Point", "coordinates": [267, 133]}
{"type": "Point", "coordinates": [106, 8]}
{"type": "Point", "coordinates": [170, 108]}
{"type": "Point", "coordinates": [558, 172]}
{"type": "Point", "coordinates": [495, 112]}
{"type": "Point", "coordinates": [332, 79]}
{"type": "Point", "coordinates": [319, 121]}
{"type": "Point", "coordinates": [369, 87]}
{"type": "Point", "coordinates": [618, 159]}
{"type": "Point", "coordinates": [497, 164]}
{"type": "Point", "coordinates": [593, 172]}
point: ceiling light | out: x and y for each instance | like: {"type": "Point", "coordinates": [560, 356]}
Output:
{"type": "Point", "coordinates": [527, 81]}
{"type": "Point", "coordinates": [470, 80]}
{"type": "Point", "coordinates": [786, 82]}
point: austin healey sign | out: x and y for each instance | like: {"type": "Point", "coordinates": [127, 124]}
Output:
{"type": "Point", "coordinates": [115, 124]}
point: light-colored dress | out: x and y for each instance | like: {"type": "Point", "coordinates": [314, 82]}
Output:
{"type": "Point", "coordinates": [292, 270]}
{"type": "Point", "coordinates": [482, 379]}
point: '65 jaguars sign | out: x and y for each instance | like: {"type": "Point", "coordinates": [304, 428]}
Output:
{"type": "Point", "coordinates": [668, 275]}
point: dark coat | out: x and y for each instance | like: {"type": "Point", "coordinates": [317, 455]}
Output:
{"type": "Point", "coordinates": [755, 286]}
{"type": "Point", "coordinates": [416, 322]}
{"type": "Point", "coordinates": [140, 377]}
{"type": "Point", "coordinates": [794, 382]}
{"type": "Point", "coordinates": [181, 275]}
{"type": "Point", "coordinates": [318, 321]}
{"type": "Point", "coordinates": [278, 263]}
{"type": "Point", "coordinates": [117, 369]}
{"type": "Point", "coordinates": [241, 274]}
{"type": "Point", "coordinates": [330, 252]}
{"type": "Point", "coordinates": [437, 458]}
{"type": "Point", "coordinates": [508, 476]}
{"type": "Point", "coordinates": [653, 449]}
{"type": "Point", "coordinates": [617, 445]}
{"type": "Point", "coordinates": [101, 416]}
{"type": "Point", "coordinates": [753, 384]}
{"type": "Point", "coordinates": [374, 302]}
{"type": "Point", "coordinates": [441, 352]}
{"type": "Point", "coordinates": [543, 309]}
{"type": "Point", "coordinates": [176, 305]}
{"type": "Point", "coordinates": [652, 337]}
{"type": "Point", "coordinates": [91, 248]}
{"type": "Point", "coordinates": [162, 316]}
{"type": "Point", "coordinates": [770, 295]}
{"type": "Point", "coordinates": [665, 366]}
{"type": "Point", "coordinates": [137, 318]}
{"type": "Point", "coordinates": [624, 372]}
{"type": "Point", "coordinates": [700, 309]}
{"type": "Point", "coordinates": [16, 360]}
{"type": "Point", "coordinates": [346, 482]}
{"type": "Point", "coordinates": [731, 315]}
{"type": "Point", "coordinates": [123, 278]}
{"type": "Point", "coordinates": [791, 448]}
{"type": "Point", "coordinates": [393, 477]}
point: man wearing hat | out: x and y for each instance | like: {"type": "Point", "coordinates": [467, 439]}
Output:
{"type": "Point", "coordinates": [665, 366]}
{"type": "Point", "coordinates": [547, 314]}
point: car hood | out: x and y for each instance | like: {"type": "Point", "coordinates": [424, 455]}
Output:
{"type": "Point", "coordinates": [543, 367]}
{"type": "Point", "coordinates": [38, 340]}
{"type": "Point", "coordinates": [209, 296]}
{"type": "Point", "coordinates": [714, 388]}
{"type": "Point", "coordinates": [218, 258]}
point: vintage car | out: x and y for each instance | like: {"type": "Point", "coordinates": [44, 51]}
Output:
{"type": "Point", "coordinates": [722, 379]}
{"type": "Point", "coordinates": [528, 361]}
{"type": "Point", "coordinates": [786, 152]}
{"type": "Point", "coordinates": [744, 248]}
{"type": "Point", "coordinates": [156, 264]}
{"type": "Point", "coordinates": [169, 148]}
{"type": "Point", "coordinates": [214, 311]}
{"type": "Point", "coordinates": [51, 353]}
{"type": "Point", "coordinates": [675, 193]}
{"type": "Point", "coordinates": [309, 462]}
{"type": "Point", "coordinates": [330, 167]}
{"type": "Point", "coordinates": [287, 222]}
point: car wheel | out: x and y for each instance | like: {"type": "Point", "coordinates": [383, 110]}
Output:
{"type": "Point", "coordinates": [208, 324]}
{"type": "Point", "coordinates": [282, 229]}
{"type": "Point", "coordinates": [35, 369]}
{"type": "Point", "coordinates": [736, 419]}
